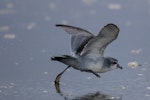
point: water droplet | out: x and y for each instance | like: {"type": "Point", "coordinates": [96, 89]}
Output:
{"type": "Point", "coordinates": [64, 22]}
{"type": "Point", "coordinates": [16, 63]}
{"type": "Point", "coordinates": [69, 94]}
{"type": "Point", "coordinates": [136, 51]}
{"type": "Point", "coordinates": [45, 91]}
{"type": "Point", "coordinates": [45, 73]}
{"type": "Point", "coordinates": [88, 2]}
{"type": "Point", "coordinates": [123, 87]}
{"type": "Point", "coordinates": [9, 36]}
{"type": "Point", "coordinates": [148, 87]}
{"type": "Point", "coordinates": [88, 77]}
{"type": "Point", "coordinates": [31, 25]}
{"type": "Point", "coordinates": [12, 83]}
{"type": "Point", "coordinates": [114, 6]}
{"type": "Point", "coordinates": [112, 98]}
{"type": "Point", "coordinates": [140, 74]}
{"type": "Point", "coordinates": [4, 28]}
{"type": "Point", "coordinates": [133, 64]}
{"type": "Point", "coordinates": [147, 95]}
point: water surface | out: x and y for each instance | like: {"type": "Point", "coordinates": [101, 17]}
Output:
{"type": "Point", "coordinates": [28, 38]}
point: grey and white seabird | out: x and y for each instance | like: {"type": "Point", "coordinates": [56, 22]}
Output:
{"type": "Point", "coordinates": [89, 50]}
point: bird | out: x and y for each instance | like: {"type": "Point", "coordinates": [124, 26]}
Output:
{"type": "Point", "coordinates": [88, 50]}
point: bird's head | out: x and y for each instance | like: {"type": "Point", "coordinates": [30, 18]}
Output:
{"type": "Point", "coordinates": [112, 63]}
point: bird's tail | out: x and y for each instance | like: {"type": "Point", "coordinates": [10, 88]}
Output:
{"type": "Point", "coordinates": [68, 60]}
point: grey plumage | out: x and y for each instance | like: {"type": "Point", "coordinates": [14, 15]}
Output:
{"type": "Point", "coordinates": [79, 37]}
{"type": "Point", "coordinates": [68, 60]}
{"type": "Point", "coordinates": [89, 49]}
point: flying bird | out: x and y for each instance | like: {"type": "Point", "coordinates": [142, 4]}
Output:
{"type": "Point", "coordinates": [89, 50]}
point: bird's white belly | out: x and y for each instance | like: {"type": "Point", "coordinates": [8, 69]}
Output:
{"type": "Point", "coordinates": [95, 67]}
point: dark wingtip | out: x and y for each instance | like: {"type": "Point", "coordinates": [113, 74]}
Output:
{"type": "Point", "coordinates": [114, 25]}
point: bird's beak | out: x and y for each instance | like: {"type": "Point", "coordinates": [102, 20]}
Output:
{"type": "Point", "coordinates": [118, 66]}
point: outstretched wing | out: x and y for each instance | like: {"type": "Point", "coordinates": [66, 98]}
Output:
{"type": "Point", "coordinates": [79, 37]}
{"type": "Point", "coordinates": [97, 45]}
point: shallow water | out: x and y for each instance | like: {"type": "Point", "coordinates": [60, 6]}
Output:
{"type": "Point", "coordinates": [28, 38]}
{"type": "Point", "coordinates": [80, 87]}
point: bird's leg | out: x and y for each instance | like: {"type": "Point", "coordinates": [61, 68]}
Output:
{"type": "Point", "coordinates": [57, 85]}
{"type": "Point", "coordinates": [57, 79]}
{"type": "Point", "coordinates": [97, 75]}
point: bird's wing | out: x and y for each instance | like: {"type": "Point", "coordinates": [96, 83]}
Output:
{"type": "Point", "coordinates": [97, 45]}
{"type": "Point", "coordinates": [79, 37]}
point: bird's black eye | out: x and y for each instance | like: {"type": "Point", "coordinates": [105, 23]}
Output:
{"type": "Point", "coordinates": [114, 62]}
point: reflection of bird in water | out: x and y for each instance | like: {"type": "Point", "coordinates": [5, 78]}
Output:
{"type": "Point", "coordinates": [97, 96]}
{"type": "Point", "coordinates": [88, 50]}
{"type": "Point", "coordinates": [89, 96]}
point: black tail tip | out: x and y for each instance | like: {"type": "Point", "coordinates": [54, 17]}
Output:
{"type": "Point", "coordinates": [56, 58]}
{"type": "Point", "coordinates": [53, 58]}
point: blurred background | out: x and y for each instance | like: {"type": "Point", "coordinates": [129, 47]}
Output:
{"type": "Point", "coordinates": [29, 38]}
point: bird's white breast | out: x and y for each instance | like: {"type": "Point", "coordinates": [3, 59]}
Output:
{"type": "Point", "coordinates": [92, 64]}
